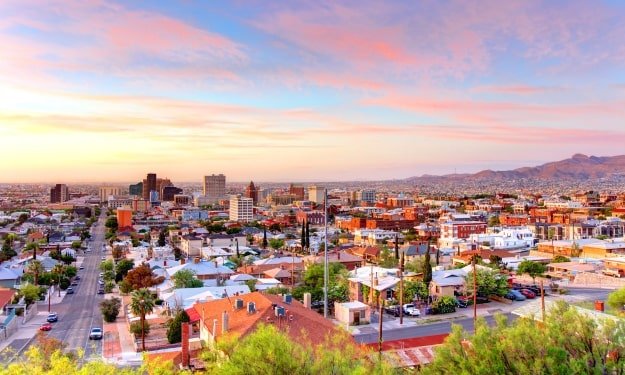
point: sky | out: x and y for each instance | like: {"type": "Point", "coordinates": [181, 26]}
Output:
{"type": "Point", "coordinates": [106, 91]}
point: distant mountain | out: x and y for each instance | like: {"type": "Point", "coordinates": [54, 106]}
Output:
{"type": "Point", "coordinates": [578, 167]}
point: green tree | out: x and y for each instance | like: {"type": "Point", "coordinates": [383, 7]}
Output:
{"type": "Point", "coordinates": [312, 282]}
{"type": "Point", "coordinates": [567, 343]}
{"type": "Point", "coordinates": [616, 299]}
{"type": "Point", "coordinates": [415, 290]}
{"type": "Point", "coordinates": [142, 303]}
{"type": "Point", "coordinates": [122, 267]}
{"type": "Point", "coordinates": [251, 284]}
{"type": "Point", "coordinates": [276, 243]}
{"type": "Point", "coordinates": [107, 265]}
{"type": "Point", "coordinates": [427, 267]}
{"type": "Point", "coordinates": [76, 245]}
{"type": "Point", "coordinates": [161, 238]}
{"type": "Point", "coordinates": [444, 305]}
{"type": "Point", "coordinates": [30, 293]}
{"type": "Point", "coordinates": [110, 309]}
{"type": "Point", "coordinates": [111, 223]}
{"type": "Point", "coordinates": [186, 279]}
{"type": "Point", "coordinates": [489, 282]}
{"type": "Point", "coordinates": [174, 326]}
{"type": "Point", "coordinates": [533, 269]}
{"type": "Point", "coordinates": [303, 237]}
{"type": "Point", "coordinates": [387, 258]}
{"type": "Point", "coordinates": [137, 329]}
{"type": "Point", "coordinates": [35, 268]}
{"type": "Point", "coordinates": [560, 259]}
{"type": "Point", "coordinates": [493, 221]}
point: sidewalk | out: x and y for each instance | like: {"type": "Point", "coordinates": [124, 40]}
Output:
{"type": "Point", "coordinates": [118, 343]}
{"type": "Point", "coordinates": [27, 331]}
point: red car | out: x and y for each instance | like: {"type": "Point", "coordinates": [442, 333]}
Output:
{"type": "Point", "coordinates": [528, 293]}
{"type": "Point", "coordinates": [45, 327]}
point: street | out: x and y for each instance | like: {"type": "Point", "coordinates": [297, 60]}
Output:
{"type": "Point", "coordinates": [369, 334]}
{"type": "Point", "coordinates": [79, 312]}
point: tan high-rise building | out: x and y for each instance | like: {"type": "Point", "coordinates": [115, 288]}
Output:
{"type": "Point", "coordinates": [316, 194]}
{"type": "Point", "coordinates": [107, 191]}
{"type": "Point", "coordinates": [59, 194]}
{"type": "Point", "coordinates": [241, 208]}
{"type": "Point", "coordinates": [215, 187]}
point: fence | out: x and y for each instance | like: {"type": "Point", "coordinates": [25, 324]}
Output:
{"type": "Point", "coordinates": [9, 326]}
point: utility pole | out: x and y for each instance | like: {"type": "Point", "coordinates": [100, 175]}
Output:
{"type": "Point", "coordinates": [381, 301]}
{"type": "Point", "coordinates": [542, 300]}
{"type": "Point", "coordinates": [474, 297]}
{"type": "Point", "coordinates": [325, 273]}
{"type": "Point", "coordinates": [49, 297]}
{"type": "Point", "coordinates": [401, 289]}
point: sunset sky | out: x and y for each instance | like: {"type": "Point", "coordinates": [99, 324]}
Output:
{"type": "Point", "coordinates": [108, 91]}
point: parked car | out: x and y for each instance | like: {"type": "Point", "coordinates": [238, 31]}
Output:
{"type": "Point", "coordinates": [77, 277]}
{"type": "Point", "coordinates": [95, 334]}
{"type": "Point", "coordinates": [52, 317]}
{"type": "Point", "coordinates": [515, 295]}
{"type": "Point", "coordinates": [70, 290]}
{"type": "Point", "coordinates": [103, 258]}
{"type": "Point", "coordinates": [74, 283]}
{"type": "Point", "coordinates": [527, 293]}
{"type": "Point", "coordinates": [100, 291]}
{"type": "Point", "coordinates": [392, 310]}
{"type": "Point", "coordinates": [411, 309]}
{"type": "Point", "coordinates": [81, 268]}
{"type": "Point", "coordinates": [469, 299]}
{"type": "Point", "coordinates": [460, 303]}
{"type": "Point", "coordinates": [45, 327]}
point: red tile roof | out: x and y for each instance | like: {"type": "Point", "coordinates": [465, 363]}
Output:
{"type": "Point", "coordinates": [300, 323]}
{"type": "Point", "coordinates": [5, 297]}
{"type": "Point", "coordinates": [193, 315]}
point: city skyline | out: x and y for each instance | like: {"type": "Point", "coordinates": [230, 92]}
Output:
{"type": "Point", "coordinates": [108, 91]}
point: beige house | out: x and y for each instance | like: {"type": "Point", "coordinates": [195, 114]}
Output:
{"type": "Point", "coordinates": [352, 313]}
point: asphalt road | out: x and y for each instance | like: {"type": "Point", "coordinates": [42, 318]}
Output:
{"type": "Point", "coordinates": [79, 312]}
{"type": "Point", "coordinates": [370, 334]}
{"type": "Point", "coordinates": [420, 331]}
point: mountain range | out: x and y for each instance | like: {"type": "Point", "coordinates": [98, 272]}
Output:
{"type": "Point", "coordinates": [578, 167]}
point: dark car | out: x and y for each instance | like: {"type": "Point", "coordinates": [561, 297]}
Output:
{"type": "Point", "coordinates": [100, 291]}
{"type": "Point", "coordinates": [461, 303]}
{"type": "Point", "coordinates": [77, 278]}
{"type": "Point", "coordinates": [74, 283]}
{"type": "Point", "coordinates": [392, 310]}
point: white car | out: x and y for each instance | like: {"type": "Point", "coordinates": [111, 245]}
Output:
{"type": "Point", "coordinates": [95, 334]}
{"type": "Point", "coordinates": [411, 309]}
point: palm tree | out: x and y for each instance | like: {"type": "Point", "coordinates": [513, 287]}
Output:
{"type": "Point", "coordinates": [142, 303]}
{"type": "Point", "coordinates": [59, 271]}
{"type": "Point", "coordinates": [36, 268]}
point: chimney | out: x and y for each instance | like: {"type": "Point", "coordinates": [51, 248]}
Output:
{"type": "Point", "coordinates": [214, 329]}
{"type": "Point", "coordinates": [338, 255]}
{"type": "Point", "coordinates": [185, 344]}
{"type": "Point", "coordinates": [224, 322]}
{"type": "Point", "coordinates": [307, 300]}
{"type": "Point", "coordinates": [165, 263]}
{"type": "Point", "coordinates": [215, 264]}
{"type": "Point", "coordinates": [375, 280]}
{"type": "Point", "coordinates": [196, 260]}
{"type": "Point", "coordinates": [182, 261]}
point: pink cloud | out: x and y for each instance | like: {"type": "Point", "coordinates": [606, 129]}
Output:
{"type": "Point", "coordinates": [106, 38]}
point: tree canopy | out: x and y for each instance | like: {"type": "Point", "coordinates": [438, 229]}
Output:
{"type": "Point", "coordinates": [142, 277]}
{"type": "Point", "coordinates": [567, 343]}
{"type": "Point", "coordinates": [531, 268]}
{"type": "Point", "coordinates": [489, 282]}
{"type": "Point", "coordinates": [186, 279]}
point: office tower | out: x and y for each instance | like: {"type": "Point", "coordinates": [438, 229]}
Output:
{"type": "Point", "coordinates": [215, 187]}
{"type": "Point", "coordinates": [162, 183]}
{"type": "Point", "coordinates": [316, 194]}
{"type": "Point", "coordinates": [366, 195]}
{"type": "Point", "coordinates": [252, 192]}
{"type": "Point", "coordinates": [149, 185]}
{"type": "Point", "coordinates": [169, 192]}
{"type": "Point", "coordinates": [298, 191]}
{"type": "Point", "coordinates": [241, 208]}
{"type": "Point", "coordinates": [59, 193]}
{"type": "Point", "coordinates": [136, 189]}
{"type": "Point", "coordinates": [107, 191]}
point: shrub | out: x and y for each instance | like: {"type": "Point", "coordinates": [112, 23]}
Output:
{"type": "Point", "coordinates": [444, 305]}
{"type": "Point", "coordinates": [110, 309]}
{"type": "Point", "coordinates": [173, 326]}
{"type": "Point", "coordinates": [135, 327]}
